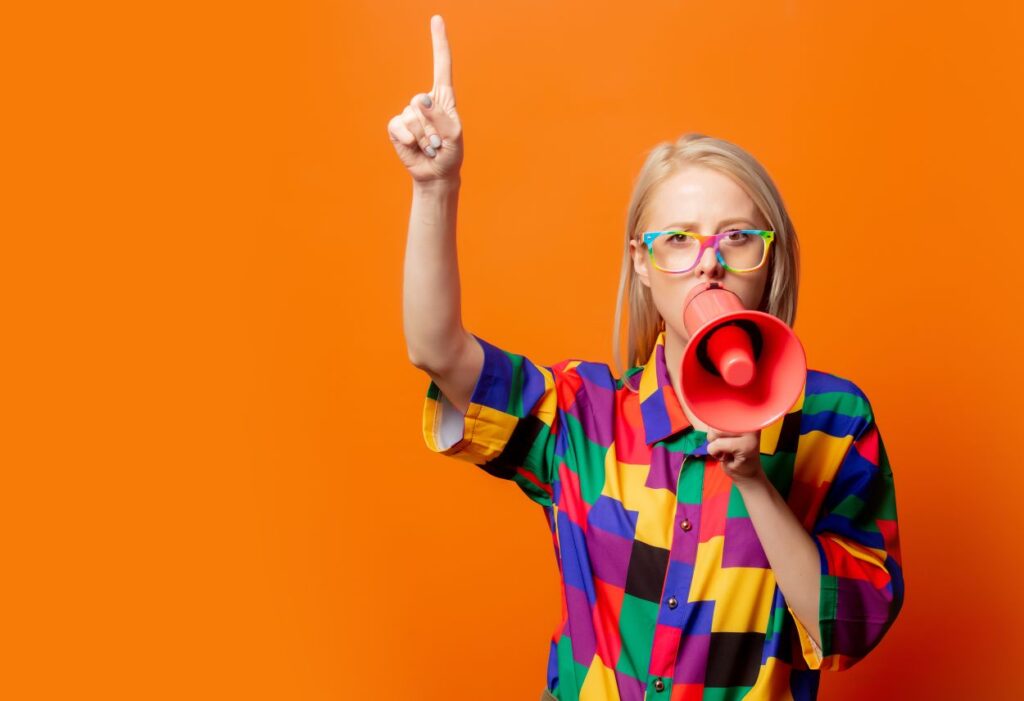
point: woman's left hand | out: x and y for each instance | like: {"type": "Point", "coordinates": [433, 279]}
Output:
{"type": "Point", "coordinates": [738, 453]}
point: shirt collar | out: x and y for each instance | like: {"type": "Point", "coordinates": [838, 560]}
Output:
{"type": "Point", "coordinates": [662, 414]}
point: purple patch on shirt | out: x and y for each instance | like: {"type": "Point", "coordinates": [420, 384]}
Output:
{"type": "Point", "coordinates": [630, 689]}
{"type": "Point", "coordinates": [595, 409]}
{"type": "Point", "coordinates": [664, 472]}
{"type": "Point", "coordinates": [859, 600]}
{"type": "Point", "coordinates": [854, 638]}
{"type": "Point", "coordinates": [581, 625]}
{"type": "Point", "coordinates": [609, 555]}
{"type": "Point", "coordinates": [742, 548]}
{"type": "Point", "coordinates": [684, 543]}
{"type": "Point", "coordinates": [692, 660]}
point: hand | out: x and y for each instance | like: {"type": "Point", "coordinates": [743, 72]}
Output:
{"type": "Point", "coordinates": [427, 134]}
{"type": "Point", "coordinates": [739, 453]}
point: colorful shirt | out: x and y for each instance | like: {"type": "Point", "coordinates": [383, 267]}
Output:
{"type": "Point", "coordinates": [666, 590]}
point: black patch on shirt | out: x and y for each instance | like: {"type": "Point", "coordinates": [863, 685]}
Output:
{"type": "Point", "coordinates": [734, 659]}
{"type": "Point", "coordinates": [524, 435]}
{"type": "Point", "coordinates": [789, 435]}
{"type": "Point", "coordinates": [646, 574]}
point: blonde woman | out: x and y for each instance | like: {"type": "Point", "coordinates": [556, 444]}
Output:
{"type": "Point", "coordinates": [695, 564]}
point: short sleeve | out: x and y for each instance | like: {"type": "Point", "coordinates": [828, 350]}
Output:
{"type": "Point", "coordinates": [857, 537]}
{"type": "Point", "coordinates": [510, 426]}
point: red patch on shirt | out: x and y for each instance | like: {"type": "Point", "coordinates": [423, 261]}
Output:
{"type": "Point", "coordinates": [867, 445]}
{"type": "Point", "coordinates": [892, 540]}
{"type": "Point", "coordinates": [533, 479]}
{"type": "Point", "coordinates": [607, 611]}
{"type": "Point", "coordinates": [665, 649]}
{"type": "Point", "coordinates": [687, 692]}
{"type": "Point", "coordinates": [568, 383]}
{"type": "Point", "coordinates": [715, 503]}
{"type": "Point", "coordinates": [805, 500]}
{"type": "Point", "coordinates": [630, 442]}
{"type": "Point", "coordinates": [842, 563]}
{"type": "Point", "coordinates": [570, 500]}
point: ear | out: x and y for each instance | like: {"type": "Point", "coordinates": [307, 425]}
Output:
{"type": "Point", "coordinates": [640, 256]}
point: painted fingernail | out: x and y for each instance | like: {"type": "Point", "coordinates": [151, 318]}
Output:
{"type": "Point", "coordinates": [427, 102]}
{"type": "Point", "coordinates": [435, 141]}
{"type": "Point", "coordinates": [430, 151]}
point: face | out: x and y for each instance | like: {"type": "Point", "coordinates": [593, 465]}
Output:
{"type": "Point", "coordinates": [705, 202]}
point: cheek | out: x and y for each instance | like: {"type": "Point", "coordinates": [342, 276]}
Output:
{"type": "Point", "coordinates": [753, 288]}
{"type": "Point", "coordinates": [669, 295]}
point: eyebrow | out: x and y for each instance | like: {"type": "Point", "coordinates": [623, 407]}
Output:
{"type": "Point", "coordinates": [686, 226]}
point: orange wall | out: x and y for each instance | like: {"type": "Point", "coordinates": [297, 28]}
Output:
{"type": "Point", "coordinates": [214, 480]}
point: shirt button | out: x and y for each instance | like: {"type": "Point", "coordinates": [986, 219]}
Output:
{"type": "Point", "coordinates": [672, 602]}
{"type": "Point", "coordinates": [659, 685]}
{"type": "Point", "coordinates": [685, 524]}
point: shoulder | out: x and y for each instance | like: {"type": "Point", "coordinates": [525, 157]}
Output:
{"type": "Point", "coordinates": [834, 405]}
{"type": "Point", "coordinates": [585, 375]}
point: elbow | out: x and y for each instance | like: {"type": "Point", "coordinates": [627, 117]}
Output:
{"type": "Point", "coordinates": [439, 357]}
{"type": "Point", "coordinates": [415, 358]}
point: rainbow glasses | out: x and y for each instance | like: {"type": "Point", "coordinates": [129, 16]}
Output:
{"type": "Point", "coordinates": [737, 250]}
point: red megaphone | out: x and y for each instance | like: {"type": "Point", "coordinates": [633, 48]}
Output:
{"type": "Point", "coordinates": [741, 369]}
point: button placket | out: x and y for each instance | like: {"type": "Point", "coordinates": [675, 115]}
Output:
{"type": "Point", "coordinates": [685, 523]}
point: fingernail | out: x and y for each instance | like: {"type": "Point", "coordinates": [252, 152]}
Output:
{"type": "Point", "coordinates": [427, 102]}
{"type": "Point", "coordinates": [435, 141]}
{"type": "Point", "coordinates": [430, 151]}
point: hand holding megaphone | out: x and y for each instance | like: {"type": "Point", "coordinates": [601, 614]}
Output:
{"type": "Point", "coordinates": [738, 453]}
{"type": "Point", "coordinates": [742, 370]}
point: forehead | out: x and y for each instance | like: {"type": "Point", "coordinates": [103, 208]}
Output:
{"type": "Point", "coordinates": [700, 195]}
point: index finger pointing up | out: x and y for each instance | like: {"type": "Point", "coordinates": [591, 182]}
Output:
{"type": "Point", "coordinates": [442, 55]}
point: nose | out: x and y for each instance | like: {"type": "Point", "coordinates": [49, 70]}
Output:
{"type": "Point", "coordinates": [708, 267]}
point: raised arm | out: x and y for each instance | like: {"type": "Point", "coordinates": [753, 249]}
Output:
{"type": "Point", "coordinates": [427, 136]}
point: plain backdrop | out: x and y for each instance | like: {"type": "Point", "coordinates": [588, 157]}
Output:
{"type": "Point", "coordinates": [214, 480]}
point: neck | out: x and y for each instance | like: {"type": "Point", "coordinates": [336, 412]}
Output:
{"type": "Point", "coordinates": [675, 346]}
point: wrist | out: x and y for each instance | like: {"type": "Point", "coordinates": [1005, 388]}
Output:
{"type": "Point", "coordinates": [437, 187]}
{"type": "Point", "coordinates": [759, 480]}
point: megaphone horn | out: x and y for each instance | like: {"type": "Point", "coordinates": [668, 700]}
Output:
{"type": "Point", "coordinates": [742, 370]}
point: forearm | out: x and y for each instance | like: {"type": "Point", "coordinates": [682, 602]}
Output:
{"type": "Point", "coordinates": [431, 293]}
{"type": "Point", "coordinates": [790, 549]}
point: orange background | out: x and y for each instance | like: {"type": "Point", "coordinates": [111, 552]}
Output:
{"type": "Point", "coordinates": [214, 480]}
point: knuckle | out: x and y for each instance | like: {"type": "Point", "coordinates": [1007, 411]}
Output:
{"type": "Point", "coordinates": [411, 122]}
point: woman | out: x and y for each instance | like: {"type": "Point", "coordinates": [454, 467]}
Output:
{"type": "Point", "coordinates": [695, 564]}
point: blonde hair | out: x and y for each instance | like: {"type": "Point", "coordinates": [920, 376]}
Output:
{"type": "Point", "coordinates": [664, 160]}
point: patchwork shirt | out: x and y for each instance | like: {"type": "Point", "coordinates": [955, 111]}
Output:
{"type": "Point", "coordinates": [666, 591]}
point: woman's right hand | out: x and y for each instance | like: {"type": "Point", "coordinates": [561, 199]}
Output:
{"type": "Point", "coordinates": [427, 134]}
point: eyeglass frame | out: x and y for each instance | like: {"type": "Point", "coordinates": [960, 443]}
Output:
{"type": "Point", "coordinates": [705, 241]}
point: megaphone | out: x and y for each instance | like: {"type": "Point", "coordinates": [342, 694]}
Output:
{"type": "Point", "coordinates": [742, 370]}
